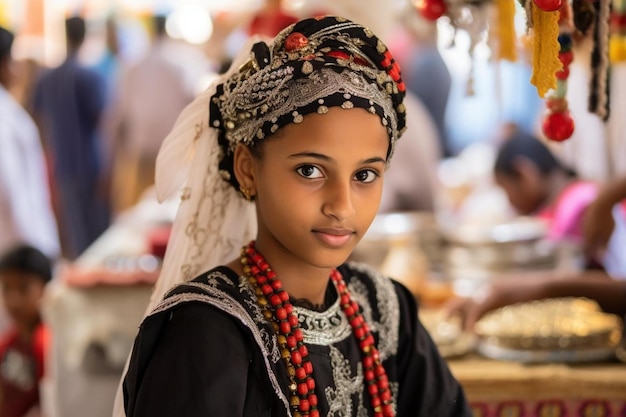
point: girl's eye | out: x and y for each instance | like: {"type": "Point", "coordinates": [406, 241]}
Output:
{"type": "Point", "coordinates": [366, 176]}
{"type": "Point", "coordinates": [309, 171]}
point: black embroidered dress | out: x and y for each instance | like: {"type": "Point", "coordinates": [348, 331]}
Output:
{"type": "Point", "coordinates": [206, 350]}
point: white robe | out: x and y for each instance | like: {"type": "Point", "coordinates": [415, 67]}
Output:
{"type": "Point", "coordinates": [26, 214]}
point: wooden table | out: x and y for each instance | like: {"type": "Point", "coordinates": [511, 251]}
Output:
{"type": "Point", "coordinates": [499, 388]}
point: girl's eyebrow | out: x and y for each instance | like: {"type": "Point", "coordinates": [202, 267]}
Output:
{"type": "Point", "coordinates": [374, 160]}
{"type": "Point", "coordinates": [328, 158]}
{"type": "Point", "coordinates": [310, 155]}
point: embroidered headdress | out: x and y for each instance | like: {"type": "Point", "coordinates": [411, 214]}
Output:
{"type": "Point", "coordinates": [310, 66]}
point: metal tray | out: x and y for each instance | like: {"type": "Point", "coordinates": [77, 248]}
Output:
{"type": "Point", "coordinates": [598, 354]}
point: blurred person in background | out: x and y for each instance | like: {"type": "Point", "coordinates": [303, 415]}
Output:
{"type": "Point", "coordinates": [538, 184]}
{"type": "Point", "coordinates": [25, 208]}
{"type": "Point", "coordinates": [69, 102]}
{"type": "Point", "coordinates": [410, 180]}
{"type": "Point", "coordinates": [28, 72]}
{"type": "Point", "coordinates": [108, 65]}
{"type": "Point", "coordinates": [609, 293]}
{"type": "Point", "coordinates": [594, 214]}
{"type": "Point", "coordinates": [26, 213]}
{"type": "Point", "coordinates": [426, 74]}
{"type": "Point", "coordinates": [150, 96]}
{"type": "Point", "coordinates": [24, 273]}
{"type": "Point", "coordinates": [599, 221]}
{"type": "Point", "coordinates": [599, 232]}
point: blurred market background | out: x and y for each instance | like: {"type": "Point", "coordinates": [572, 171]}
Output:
{"type": "Point", "coordinates": [445, 228]}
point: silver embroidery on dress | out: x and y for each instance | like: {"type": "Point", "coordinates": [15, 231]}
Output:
{"type": "Point", "coordinates": [346, 385]}
{"type": "Point", "coordinates": [388, 306]}
{"type": "Point", "coordinates": [268, 338]}
{"type": "Point", "coordinates": [250, 299]}
{"type": "Point", "coordinates": [387, 303]}
{"type": "Point", "coordinates": [324, 328]}
{"type": "Point", "coordinates": [394, 387]}
{"type": "Point", "coordinates": [320, 328]}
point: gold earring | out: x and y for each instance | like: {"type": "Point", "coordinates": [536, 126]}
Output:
{"type": "Point", "coordinates": [245, 192]}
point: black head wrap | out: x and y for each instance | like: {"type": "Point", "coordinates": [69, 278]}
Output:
{"type": "Point", "coordinates": [310, 66]}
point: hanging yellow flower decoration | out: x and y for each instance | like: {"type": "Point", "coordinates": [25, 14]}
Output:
{"type": "Point", "coordinates": [546, 63]}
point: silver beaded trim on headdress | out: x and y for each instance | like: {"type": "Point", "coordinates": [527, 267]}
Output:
{"type": "Point", "coordinates": [311, 66]}
{"type": "Point", "coordinates": [266, 95]}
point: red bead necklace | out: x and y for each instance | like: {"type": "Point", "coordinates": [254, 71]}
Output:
{"type": "Point", "coordinates": [278, 309]}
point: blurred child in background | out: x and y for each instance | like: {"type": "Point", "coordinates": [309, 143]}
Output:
{"type": "Point", "coordinates": [24, 273]}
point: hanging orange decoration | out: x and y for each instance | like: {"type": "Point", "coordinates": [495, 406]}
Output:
{"type": "Point", "coordinates": [617, 43]}
{"type": "Point", "coordinates": [546, 48]}
{"type": "Point", "coordinates": [503, 31]}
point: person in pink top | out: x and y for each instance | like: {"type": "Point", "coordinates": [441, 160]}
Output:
{"type": "Point", "coordinates": [538, 184]}
{"type": "Point", "coordinates": [588, 213]}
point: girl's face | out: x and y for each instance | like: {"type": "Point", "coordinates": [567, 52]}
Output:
{"type": "Point", "coordinates": [526, 192]}
{"type": "Point", "coordinates": [318, 186]}
{"type": "Point", "coordinates": [22, 296]}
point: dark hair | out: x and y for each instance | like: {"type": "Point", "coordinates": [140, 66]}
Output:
{"type": "Point", "coordinates": [158, 24]}
{"type": "Point", "coordinates": [6, 43]}
{"type": "Point", "coordinates": [27, 259]}
{"type": "Point", "coordinates": [75, 30]}
{"type": "Point", "coordinates": [522, 144]}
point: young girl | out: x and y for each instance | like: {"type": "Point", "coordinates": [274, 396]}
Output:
{"type": "Point", "coordinates": [291, 153]}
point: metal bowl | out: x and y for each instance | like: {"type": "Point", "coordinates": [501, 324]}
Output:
{"type": "Point", "coordinates": [518, 230]}
{"type": "Point", "coordinates": [475, 254]}
{"type": "Point", "coordinates": [520, 243]}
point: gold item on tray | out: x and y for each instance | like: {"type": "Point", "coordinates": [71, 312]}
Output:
{"type": "Point", "coordinates": [551, 324]}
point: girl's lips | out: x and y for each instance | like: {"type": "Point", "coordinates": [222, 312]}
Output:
{"type": "Point", "coordinates": [334, 237]}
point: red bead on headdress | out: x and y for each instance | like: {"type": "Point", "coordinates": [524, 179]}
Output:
{"type": "Point", "coordinates": [338, 54]}
{"type": "Point", "coordinates": [295, 41]}
{"type": "Point", "coordinates": [393, 69]}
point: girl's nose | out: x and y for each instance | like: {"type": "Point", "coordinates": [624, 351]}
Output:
{"type": "Point", "coordinates": [338, 200]}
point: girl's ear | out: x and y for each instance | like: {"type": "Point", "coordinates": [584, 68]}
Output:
{"type": "Point", "coordinates": [244, 168]}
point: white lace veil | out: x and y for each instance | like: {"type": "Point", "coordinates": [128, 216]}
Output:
{"type": "Point", "coordinates": [213, 221]}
